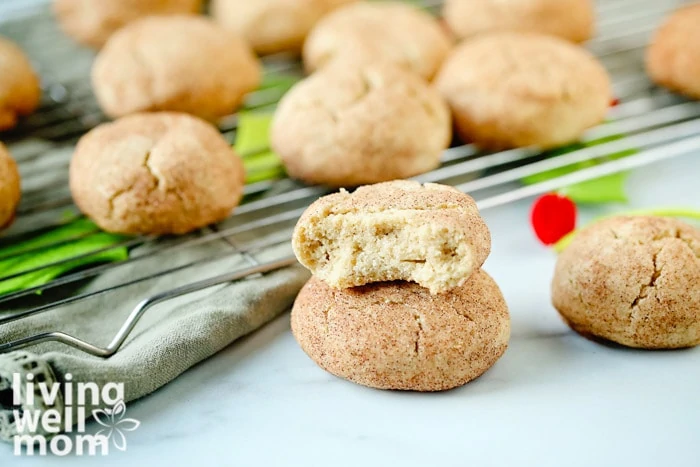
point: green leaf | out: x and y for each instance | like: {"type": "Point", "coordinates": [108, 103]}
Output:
{"type": "Point", "coordinates": [610, 188]}
{"type": "Point", "coordinates": [80, 237]}
{"type": "Point", "coordinates": [66, 232]}
{"type": "Point", "coordinates": [252, 136]}
{"type": "Point", "coordinates": [253, 144]}
{"type": "Point", "coordinates": [278, 81]}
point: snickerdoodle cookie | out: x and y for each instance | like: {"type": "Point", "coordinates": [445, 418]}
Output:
{"type": "Point", "coordinates": [430, 234]}
{"type": "Point", "coordinates": [572, 20]}
{"type": "Point", "coordinates": [91, 22]}
{"type": "Point", "coordinates": [155, 173]}
{"type": "Point", "coordinates": [352, 126]}
{"type": "Point", "coordinates": [370, 32]}
{"type": "Point", "coordinates": [673, 58]}
{"type": "Point", "coordinates": [396, 335]}
{"type": "Point", "coordinates": [272, 26]}
{"type": "Point", "coordinates": [19, 85]}
{"type": "Point", "coordinates": [523, 89]}
{"type": "Point", "coordinates": [180, 63]}
{"type": "Point", "coordinates": [9, 187]}
{"type": "Point", "coordinates": [634, 281]}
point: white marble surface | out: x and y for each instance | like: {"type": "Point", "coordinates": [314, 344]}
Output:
{"type": "Point", "coordinates": [554, 399]}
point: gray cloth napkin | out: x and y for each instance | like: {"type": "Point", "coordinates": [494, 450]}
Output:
{"type": "Point", "coordinates": [169, 339]}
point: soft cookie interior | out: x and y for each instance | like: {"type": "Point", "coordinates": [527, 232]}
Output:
{"type": "Point", "coordinates": [356, 248]}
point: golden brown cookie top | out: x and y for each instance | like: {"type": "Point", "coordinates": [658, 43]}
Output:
{"type": "Point", "coordinates": [19, 84]}
{"type": "Point", "coordinates": [633, 280]}
{"type": "Point", "coordinates": [155, 173]}
{"type": "Point", "coordinates": [175, 63]}
{"type": "Point", "coordinates": [527, 90]}
{"type": "Point", "coordinates": [524, 65]}
{"type": "Point", "coordinates": [395, 195]}
{"type": "Point", "coordinates": [642, 230]}
{"type": "Point", "coordinates": [272, 26]}
{"type": "Point", "coordinates": [92, 22]}
{"type": "Point", "coordinates": [399, 336]}
{"type": "Point", "coordinates": [350, 126]}
{"type": "Point", "coordinates": [673, 57]}
{"type": "Point", "coordinates": [570, 19]}
{"type": "Point", "coordinates": [369, 32]}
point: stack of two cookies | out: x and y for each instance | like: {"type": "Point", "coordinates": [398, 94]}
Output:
{"type": "Point", "coordinates": [398, 299]}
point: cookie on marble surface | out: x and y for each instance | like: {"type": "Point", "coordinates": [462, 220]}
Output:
{"type": "Point", "coordinates": [9, 187]}
{"type": "Point", "coordinates": [430, 234]}
{"type": "Point", "coordinates": [573, 20]}
{"type": "Point", "coordinates": [92, 22]}
{"type": "Point", "coordinates": [527, 90]}
{"type": "Point", "coordinates": [19, 85]}
{"type": "Point", "coordinates": [370, 32]}
{"type": "Point", "coordinates": [634, 281]}
{"type": "Point", "coordinates": [353, 126]}
{"type": "Point", "coordinates": [396, 335]}
{"type": "Point", "coordinates": [174, 63]}
{"type": "Point", "coordinates": [272, 26]}
{"type": "Point", "coordinates": [155, 173]}
{"type": "Point", "coordinates": [673, 57]}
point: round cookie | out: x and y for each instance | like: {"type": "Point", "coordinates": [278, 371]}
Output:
{"type": "Point", "coordinates": [395, 335]}
{"type": "Point", "coordinates": [9, 188]}
{"type": "Point", "coordinates": [527, 90]}
{"type": "Point", "coordinates": [430, 234]}
{"type": "Point", "coordinates": [179, 63]}
{"type": "Point", "coordinates": [634, 281]}
{"type": "Point", "coordinates": [155, 173]}
{"type": "Point", "coordinates": [272, 26]}
{"type": "Point", "coordinates": [673, 57]}
{"type": "Point", "coordinates": [19, 85]}
{"type": "Point", "coordinates": [92, 22]}
{"type": "Point", "coordinates": [348, 127]}
{"type": "Point", "coordinates": [572, 20]}
{"type": "Point", "coordinates": [370, 32]}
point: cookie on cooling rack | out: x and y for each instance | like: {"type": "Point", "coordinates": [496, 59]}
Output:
{"type": "Point", "coordinates": [155, 173]}
{"type": "Point", "coordinates": [396, 335]}
{"type": "Point", "coordinates": [430, 234]}
{"type": "Point", "coordinates": [634, 281]}
{"type": "Point", "coordinates": [19, 85]}
{"type": "Point", "coordinates": [272, 26]}
{"type": "Point", "coordinates": [369, 32]}
{"type": "Point", "coordinates": [527, 90]}
{"type": "Point", "coordinates": [9, 187]}
{"type": "Point", "coordinates": [572, 20]}
{"type": "Point", "coordinates": [673, 57]}
{"type": "Point", "coordinates": [179, 63]}
{"type": "Point", "coordinates": [353, 126]}
{"type": "Point", "coordinates": [92, 22]}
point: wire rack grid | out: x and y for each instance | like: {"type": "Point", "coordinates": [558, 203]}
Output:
{"type": "Point", "coordinates": [654, 123]}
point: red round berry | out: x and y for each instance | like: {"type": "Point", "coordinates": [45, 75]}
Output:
{"type": "Point", "coordinates": [615, 101]}
{"type": "Point", "coordinates": [552, 217]}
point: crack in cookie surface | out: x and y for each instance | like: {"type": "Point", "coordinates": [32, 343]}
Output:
{"type": "Point", "coordinates": [646, 288]}
{"type": "Point", "coordinates": [630, 280]}
{"type": "Point", "coordinates": [419, 331]}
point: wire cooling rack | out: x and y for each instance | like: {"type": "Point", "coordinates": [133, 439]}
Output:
{"type": "Point", "coordinates": [656, 124]}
